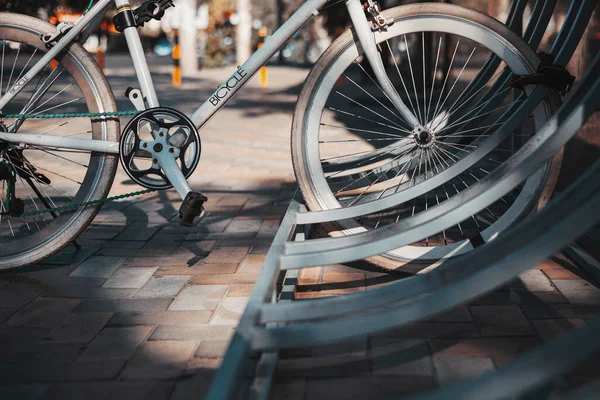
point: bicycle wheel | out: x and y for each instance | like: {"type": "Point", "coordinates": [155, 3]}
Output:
{"type": "Point", "coordinates": [47, 177]}
{"type": "Point", "coordinates": [350, 146]}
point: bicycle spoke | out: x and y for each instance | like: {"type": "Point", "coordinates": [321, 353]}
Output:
{"type": "Point", "coordinates": [381, 90]}
{"type": "Point", "coordinates": [435, 112]}
{"type": "Point", "coordinates": [433, 78]}
{"type": "Point", "coordinates": [373, 97]}
{"type": "Point", "coordinates": [402, 80]}
{"type": "Point", "coordinates": [368, 109]}
{"type": "Point", "coordinates": [457, 79]}
{"type": "Point", "coordinates": [412, 76]}
{"type": "Point", "coordinates": [396, 137]}
{"type": "Point", "coordinates": [367, 119]}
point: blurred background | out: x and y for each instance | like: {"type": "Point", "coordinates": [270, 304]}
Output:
{"type": "Point", "coordinates": [216, 33]}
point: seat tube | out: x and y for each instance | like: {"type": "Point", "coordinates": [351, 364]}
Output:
{"type": "Point", "coordinates": [367, 42]}
{"type": "Point", "coordinates": [136, 50]}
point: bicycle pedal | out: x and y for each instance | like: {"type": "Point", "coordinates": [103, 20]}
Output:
{"type": "Point", "coordinates": [191, 208]}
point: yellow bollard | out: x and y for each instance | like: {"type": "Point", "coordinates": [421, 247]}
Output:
{"type": "Point", "coordinates": [263, 72]}
{"type": "Point", "coordinates": [176, 55]}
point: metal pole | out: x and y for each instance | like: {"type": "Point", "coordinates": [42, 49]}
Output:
{"type": "Point", "coordinates": [243, 31]}
{"type": "Point", "coordinates": [187, 36]}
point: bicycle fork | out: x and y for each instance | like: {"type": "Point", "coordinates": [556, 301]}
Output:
{"type": "Point", "coordinates": [367, 41]}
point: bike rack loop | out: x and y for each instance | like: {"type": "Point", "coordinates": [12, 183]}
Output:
{"type": "Point", "coordinates": [569, 215]}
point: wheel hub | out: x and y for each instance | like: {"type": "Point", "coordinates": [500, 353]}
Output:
{"type": "Point", "coordinates": [423, 137]}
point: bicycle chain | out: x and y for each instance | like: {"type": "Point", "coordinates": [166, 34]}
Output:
{"type": "Point", "coordinates": [77, 115]}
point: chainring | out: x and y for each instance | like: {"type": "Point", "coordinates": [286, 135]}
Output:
{"type": "Point", "coordinates": [155, 130]}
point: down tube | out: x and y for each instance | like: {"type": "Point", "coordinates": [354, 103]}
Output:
{"type": "Point", "coordinates": [247, 70]}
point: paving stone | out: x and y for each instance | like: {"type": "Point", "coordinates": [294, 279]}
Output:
{"type": "Point", "coordinates": [137, 233]}
{"type": "Point", "coordinates": [365, 387]}
{"type": "Point", "coordinates": [224, 279]}
{"type": "Point", "coordinates": [123, 305]}
{"type": "Point", "coordinates": [454, 368]}
{"type": "Point", "coordinates": [229, 311]}
{"type": "Point", "coordinates": [357, 347]}
{"type": "Point", "coordinates": [11, 335]}
{"type": "Point", "coordinates": [226, 255]}
{"type": "Point", "coordinates": [159, 360]}
{"type": "Point", "coordinates": [98, 267]}
{"type": "Point", "coordinates": [578, 291]}
{"type": "Point", "coordinates": [31, 391]}
{"type": "Point", "coordinates": [433, 330]}
{"type": "Point", "coordinates": [199, 297]}
{"type": "Point", "coordinates": [61, 372]}
{"type": "Point", "coordinates": [162, 318]}
{"type": "Point", "coordinates": [240, 290]}
{"type": "Point", "coordinates": [111, 244]}
{"type": "Point", "coordinates": [199, 333]}
{"type": "Point", "coordinates": [500, 350]}
{"type": "Point", "coordinates": [129, 278]}
{"type": "Point", "coordinates": [252, 264]}
{"type": "Point", "coordinates": [6, 313]}
{"type": "Point", "coordinates": [117, 390]}
{"type": "Point", "coordinates": [505, 320]}
{"type": "Point", "coordinates": [212, 348]}
{"type": "Point", "coordinates": [458, 314]}
{"type": "Point", "coordinates": [534, 281]}
{"type": "Point", "coordinates": [560, 273]}
{"type": "Point", "coordinates": [333, 366]}
{"type": "Point", "coordinates": [155, 261]}
{"type": "Point", "coordinates": [548, 329]}
{"type": "Point", "coordinates": [245, 225]}
{"type": "Point", "coordinates": [43, 313]}
{"type": "Point", "coordinates": [268, 229]}
{"type": "Point", "coordinates": [215, 268]}
{"type": "Point", "coordinates": [310, 276]}
{"type": "Point", "coordinates": [78, 327]}
{"type": "Point", "coordinates": [339, 283]}
{"type": "Point", "coordinates": [116, 343]}
{"type": "Point", "coordinates": [28, 353]}
{"type": "Point", "coordinates": [520, 297]}
{"type": "Point", "coordinates": [61, 281]}
{"type": "Point", "coordinates": [289, 390]}
{"type": "Point", "coordinates": [401, 357]}
{"type": "Point", "coordinates": [71, 255]}
{"type": "Point", "coordinates": [555, 311]}
{"type": "Point", "coordinates": [189, 387]}
{"type": "Point", "coordinates": [47, 269]}
{"type": "Point", "coordinates": [18, 294]}
{"type": "Point", "coordinates": [167, 286]}
{"type": "Point", "coordinates": [82, 292]}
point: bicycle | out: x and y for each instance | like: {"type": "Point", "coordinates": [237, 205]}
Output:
{"type": "Point", "coordinates": [409, 147]}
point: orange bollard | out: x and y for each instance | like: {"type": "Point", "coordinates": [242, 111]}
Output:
{"type": "Point", "coordinates": [262, 72]}
{"type": "Point", "coordinates": [176, 55]}
{"type": "Point", "coordinates": [53, 65]}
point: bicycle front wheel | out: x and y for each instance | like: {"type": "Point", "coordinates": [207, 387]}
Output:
{"type": "Point", "coordinates": [46, 177]}
{"type": "Point", "coordinates": [452, 67]}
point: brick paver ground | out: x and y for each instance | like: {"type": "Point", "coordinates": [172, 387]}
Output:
{"type": "Point", "coordinates": [145, 309]}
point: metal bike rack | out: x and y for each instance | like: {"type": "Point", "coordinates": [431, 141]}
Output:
{"type": "Point", "coordinates": [272, 322]}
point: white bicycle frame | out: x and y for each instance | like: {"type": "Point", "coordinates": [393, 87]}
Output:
{"type": "Point", "coordinates": [217, 100]}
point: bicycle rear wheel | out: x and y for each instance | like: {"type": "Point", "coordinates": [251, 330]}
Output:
{"type": "Point", "coordinates": [350, 146]}
{"type": "Point", "coordinates": [49, 177]}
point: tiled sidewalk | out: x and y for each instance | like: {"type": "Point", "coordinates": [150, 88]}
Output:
{"type": "Point", "coordinates": [145, 309]}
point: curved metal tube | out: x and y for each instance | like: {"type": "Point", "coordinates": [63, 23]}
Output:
{"type": "Point", "coordinates": [519, 167]}
{"type": "Point", "coordinates": [482, 270]}
{"type": "Point", "coordinates": [379, 296]}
